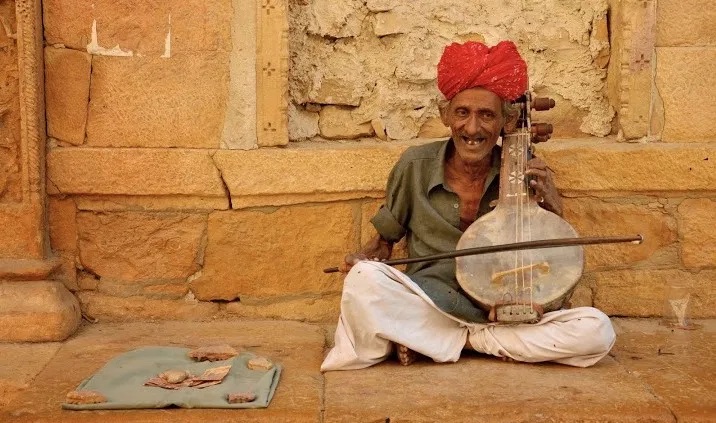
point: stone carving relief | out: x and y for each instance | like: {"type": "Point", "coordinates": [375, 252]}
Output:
{"type": "Point", "coordinates": [10, 183]}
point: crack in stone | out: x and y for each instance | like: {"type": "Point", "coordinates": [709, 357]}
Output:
{"type": "Point", "coordinates": [646, 386]}
{"type": "Point", "coordinates": [227, 191]}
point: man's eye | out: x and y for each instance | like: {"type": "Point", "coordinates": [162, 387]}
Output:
{"type": "Point", "coordinates": [461, 112]}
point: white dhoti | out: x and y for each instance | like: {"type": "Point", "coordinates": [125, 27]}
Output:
{"type": "Point", "coordinates": [382, 306]}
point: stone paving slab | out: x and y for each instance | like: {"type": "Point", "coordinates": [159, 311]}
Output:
{"type": "Point", "coordinates": [679, 366]}
{"type": "Point", "coordinates": [19, 364]}
{"type": "Point", "coordinates": [654, 374]}
{"type": "Point", "coordinates": [479, 388]}
{"type": "Point", "coordinates": [299, 347]}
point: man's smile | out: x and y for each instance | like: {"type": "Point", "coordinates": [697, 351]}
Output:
{"type": "Point", "coordinates": [473, 141]}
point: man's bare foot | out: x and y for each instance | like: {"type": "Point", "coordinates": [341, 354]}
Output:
{"type": "Point", "coordinates": [508, 359]}
{"type": "Point", "coordinates": [406, 356]}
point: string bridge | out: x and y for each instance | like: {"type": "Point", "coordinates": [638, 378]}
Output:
{"type": "Point", "coordinates": [516, 313]}
{"type": "Point", "coordinates": [498, 277]}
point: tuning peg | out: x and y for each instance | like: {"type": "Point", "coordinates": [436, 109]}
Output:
{"type": "Point", "coordinates": [541, 129]}
{"type": "Point", "coordinates": [536, 139]}
{"type": "Point", "coordinates": [542, 103]}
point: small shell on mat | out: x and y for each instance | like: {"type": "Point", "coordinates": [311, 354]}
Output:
{"type": "Point", "coordinates": [240, 397]}
{"type": "Point", "coordinates": [213, 353]}
{"type": "Point", "coordinates": [85, 397]}
{"type": "Point", "coordinates": [174, 376]}
{"type": "Point", "coordinates": [259, 363]}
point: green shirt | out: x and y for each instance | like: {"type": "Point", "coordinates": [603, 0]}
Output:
{"type": "Point", "coordinates": [422, 207]}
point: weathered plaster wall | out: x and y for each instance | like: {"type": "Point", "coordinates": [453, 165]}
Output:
{"type": "Point", "coordinates": [359, 68]}
{"type": "Point", "coordinates": [167, 202]}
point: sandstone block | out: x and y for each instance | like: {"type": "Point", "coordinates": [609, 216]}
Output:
{"type": "Point", "coordinates": [67, 82]}
{"type": "Point", "coordinates": [147, 203]}
{"type": "Point", "coordinates": [156, 102]}
{"type": "Point", "coordinates": [67, 271]}
{"type": "Point", "coordinates": [434, 128]}
{"type": "Point", "coordinates": [337, 82]}
{"type": "Point", "coordinates": [37, 311]}
{"type": "Point", "coordinates": [141, 246]}
{"type": "Point", "coordinates": [389, 23]}
{"type": "Point", "coordinates": [685, 23]}
{"type": "Point", "coordinates": [240, 122]}
{"type": "Point", "coordinates": [140, 28]}
{"type": "Point", "coordinates": [146, 289]}
{"type": "Point", "coordinates": [337, 18]}
{"type": "Point", "coordinates": [404, 125]}
{"type": "Point", "coordinates": [641, 293]}
{"type": "Point", "coordinates": [302, 124]}
{"type": "Point", "coordinates": [698, 239]}
{"type": "Point", "coordinates": [601, 165]}
{"type": "Point", "coordinates": [319, 172]}
{"type": "Point", "coordinates": [598, 218]}
{"type": "Point", "coordinates": [338, 122]}
{"type": "Point", "coordinates": [633, 26]}
{"type": "Point", "coordinates": [582, 296]}
{"type": "Point", "coordinates": [86, 281]}
{"type": "Point", "coordinates": [284, 257]}
{"type": "Point", "coordinates": [324, 308]}
{"type": "Point", "coordinates": [22, 231]}
{"type": "Point", "coordinates": [62, 222]}
{"type": "Point", "coordinates": [134, 172]}
{"type": "Point", "coordinates": [682, 78]}
{"type": "Point", "coordinates": [106, 308]}
{"type": "Point", "coordinates": [634, 111]}
{"type": "Point", "coordinates": [382, 5]}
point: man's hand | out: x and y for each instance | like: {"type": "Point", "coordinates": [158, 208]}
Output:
{"type": "Point", "coordinates": [377, 249]}
{"type": "Point", "coordinates": [543, 185]}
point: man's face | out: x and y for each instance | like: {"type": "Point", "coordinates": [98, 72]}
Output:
{"type": "Point", "coordinates": [475, 119]}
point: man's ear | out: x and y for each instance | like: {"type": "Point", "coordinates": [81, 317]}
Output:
{"type": "Point", "coordinates": [511, 122]}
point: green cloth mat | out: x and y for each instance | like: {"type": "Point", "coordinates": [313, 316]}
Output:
{"type": "Point", "coordinates": [122, 382]}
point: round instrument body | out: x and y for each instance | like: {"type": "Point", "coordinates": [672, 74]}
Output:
{"type": "Point", "coordinates": [545, 276]}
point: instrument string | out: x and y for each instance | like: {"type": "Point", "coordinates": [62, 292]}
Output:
{"type": "Point", "coordinates": [526, 146]}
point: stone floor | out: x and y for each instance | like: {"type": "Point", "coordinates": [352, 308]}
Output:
{"type": "Point", "coordinates": [654, 374]}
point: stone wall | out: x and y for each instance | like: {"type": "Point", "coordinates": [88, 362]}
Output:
{"type": "Point", "coordinates": [169, 198]}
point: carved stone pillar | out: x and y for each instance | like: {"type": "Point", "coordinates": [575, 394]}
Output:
{"type": "Point", "coordinates": [32, 307]}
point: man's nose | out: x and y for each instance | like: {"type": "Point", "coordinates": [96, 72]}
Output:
{"type": "Point", "coordinates": [472, 125]}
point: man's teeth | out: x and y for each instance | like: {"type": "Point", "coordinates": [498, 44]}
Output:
{"type": "Point", "coordinates": [474, 141]}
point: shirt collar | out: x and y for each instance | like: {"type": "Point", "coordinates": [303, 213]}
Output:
{"type": "Point", "coordinates": [438, 175]}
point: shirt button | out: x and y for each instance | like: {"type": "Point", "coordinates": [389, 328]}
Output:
{"type": "Point", "coordinates": [456, 205]}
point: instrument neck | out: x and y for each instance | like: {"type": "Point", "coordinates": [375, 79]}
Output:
{"type": "Point", "coordinates": [516, 151]}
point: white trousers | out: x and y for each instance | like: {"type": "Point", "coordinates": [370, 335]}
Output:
{"type": "Point", "coordinates": [381, 306]}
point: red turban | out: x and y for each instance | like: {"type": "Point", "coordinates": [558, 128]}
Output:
{"type": "Point", "coordinates": [499, 69]}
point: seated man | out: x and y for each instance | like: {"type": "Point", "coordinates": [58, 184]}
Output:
{"type": "Point", "coordinates": [434, 193]}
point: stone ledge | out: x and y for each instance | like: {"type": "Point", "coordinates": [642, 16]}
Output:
{"type": "Point", "coordinates": [318, 172]}
{"type": "Point", "coordinates": [27, 269]}
{"type": "Point", "coordinates": [134, 171]}
{"type": "Point", "coordinates": [599, 165]}
{"type": "Point", "coordinates": [335, 171]}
